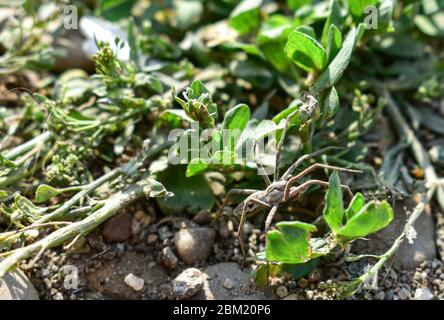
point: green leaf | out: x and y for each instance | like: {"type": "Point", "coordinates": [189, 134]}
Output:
{"type": "Point", "coordinates": [334, 206]}
{"type": "Point", "coordinates": [335, 70]}
{"type": "Point", "coordinates": [196, 89]}
{"type": "Point", "coordinates": [155, 189]}
{"type": "Point", "coordinates": [372, 217]}
{"type": "Point", "coordinates": [296, 4]}
{"type": "Point", "coordinates": [334, 18]}
{"type": "Point", "coordinates": [356, 204]}
{"type": "Point", "coordinates": [330, 104]}
{"type": "Point", "coordinates": [3, 194]}
{"type": "Point", "coordinates": [272, 39]}
{"type": "Point", "coordinates": [191, 194]}
{"type": "Point", "coordinates": [115, 10]}
{"type": "Point", "coordinates": [226, 158]}
{"type": "Point", "coordinates": [290, 243]}
{"type": "Point", "coordinates": [305, 51]}
{"type": "Point", "coordinates": [385, 13]}
{"type": "Point", "coordinates": [334, 42]}
{"type": "Point", "coordinates": [195, 166]}
{"type": "Point", "coordinates": [246, 16]}
{"type": "Point", "coordinates": [31, 6]}
{"type": "Point", "coordinates": [356, 7]}
{"type": "Point", "coordinates": [308, 30]}
{"type": "Point", "coordinates": [6, 163]}
{"type": "Point", "coordinates": [237, 117]}
{"type": "Point", "coordinates": [254, 72]}
{"type": "Point", "coordinates": [45, 192]}
{"type": "Point", "coordinates": [295, 119]}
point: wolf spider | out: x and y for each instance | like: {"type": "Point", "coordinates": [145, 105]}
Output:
{"type": "Point", "coordinates": [279, 191]}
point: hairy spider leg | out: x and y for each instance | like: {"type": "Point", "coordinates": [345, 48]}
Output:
{"type": "Point", "coordinates": [242, 221]}
{"type": "Point", "coordinates": [297, 190]}
{"type": "Point", "coordinates": [268, 221]}
{"type": "Point", "coordinates": [236, 192]}
{"type": "Point", "coordinates": [299, 161]}
{"type": "Point", "coordinates": [310, 169]}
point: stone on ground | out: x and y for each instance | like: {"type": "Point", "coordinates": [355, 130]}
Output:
{"type": "Point", "coordinates": [187, 283]}
{"type": "Point", "coordinates": [16, 286]}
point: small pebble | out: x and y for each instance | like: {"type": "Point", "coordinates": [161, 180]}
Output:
{"type": "Point", "coordinates": [423, 294]}
{"type": "Point", "coordinates": [309, 294]}
{"type": "Point", "coordinates": [228, 284]}
{"type": "Point", "coordinates": [403, 294]}
{"type": "Point", "coordinates": [379, 296]}
{"type": "Point", "coordinates": [134, 282]}
{"type": "Point", "coordinates": [303, 283]}
{"type": "Point", "coordinates": [281, 291]}
{"type": "Point", "coordinates": [169, 259]}
{"type": "Point", "coordinates": [151, 239]}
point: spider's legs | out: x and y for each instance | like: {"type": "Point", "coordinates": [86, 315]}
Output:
{"type": "Point", "coordinates": [297, 190]}
{"type": "Point", "coordinates": [242, 221]}
{"type": "Point", "coordinates": [268, 221]}
{"type": "Point", "coordinates": [307, 171]}
{"type": "Point", "coordinates": [298, 162]}
{"type": "Point", "coordinates": [278, 148]}
{"type": "Point", "coordinates": [235, 192]}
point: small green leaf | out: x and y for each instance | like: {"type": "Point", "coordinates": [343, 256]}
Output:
{"type": "Point", "coordinates": [356, 204]}
{"type": "Point", "coordinates": [115, 10]}
{"type": "Point", "coordinates": [191, 194]}
{"type": "Point", "coordinates": [330, 104]}
{"type": "Point", "coordinates": [246, 16]}
{"type": "Point", "coordinates": [335, 70]}
{"type": "Point", "coordinates": [290, 243]}
{"type": "Point", "coordinates": [308, 30]}
{"type": "Point", "coordinates": [195, 166]}
{"type": "Point", "coordinates": [356, 7]}
{"type": "Point", "coordinates": [6, 163]}
{"type": "Point", "coordinates": [237, 117]}
{"type": "Point", "coordinates": [196, 89]}
{"type": "Point", "coordinates": [45, 192]}
{"type": "Point", "coordinates": [155, 189]}
{"type": "Point", "coordinates": [305, 51]}
{"type": "Point", "coordinates": [272, 39]}
{"type": "Point", "coordinates": [334, 206]}
{"type": "Point", "coordinates": [372, 217]}
{"type": "Point", "coordinates": [334, 42]}
{"type": "Point", "coordinates": [296, 4]}
{"type": "Point", "coordinates": [225, 158]}
{"type": "Point", "coordinates": [385, 13]}
{"type": "Point", "coordinates": [295, 119]}
{"type": "Point", "coordinates": [334, 18]}
{"type": "Point", "coordinates": [3, 194]}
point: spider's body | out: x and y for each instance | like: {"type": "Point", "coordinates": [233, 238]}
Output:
{"type": "Point", "coordinates": [273, 196]}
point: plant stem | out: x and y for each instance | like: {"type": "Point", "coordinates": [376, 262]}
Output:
{"type": "Point", "coordinates": [112, 205]}
{"type": "Point", "coordinates": [133, 165]}
{"type": "Point", "coordinates": [410, 223]}
{"type": "Point", "coordinates": [25, 147]}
